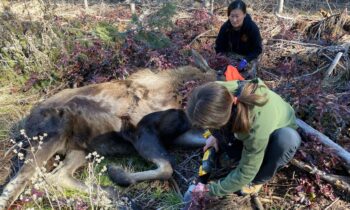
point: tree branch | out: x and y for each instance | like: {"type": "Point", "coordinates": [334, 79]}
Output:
{"type": "Point", "coordinates": [326, 177]}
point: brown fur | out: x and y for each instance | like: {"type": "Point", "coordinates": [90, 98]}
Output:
{"type": "Point", "coordinates": [76, 120]}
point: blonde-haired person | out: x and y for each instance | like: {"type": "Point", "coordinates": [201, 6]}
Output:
{"type": "Point", "coordinates": [250, 123]}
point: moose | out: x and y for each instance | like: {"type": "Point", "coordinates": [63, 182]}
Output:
{"type": "Point", "coordinates": [141, 114]}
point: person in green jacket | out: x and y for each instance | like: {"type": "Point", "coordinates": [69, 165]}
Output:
{"type": "Point", "coordinates": [250, 123]}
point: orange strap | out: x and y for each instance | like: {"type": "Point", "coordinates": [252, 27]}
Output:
{"type": "Point", "coordinates": [232, 73]}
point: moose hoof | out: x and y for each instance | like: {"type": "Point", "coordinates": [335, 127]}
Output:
{"type": "Point", "coordinates": [119, 176]}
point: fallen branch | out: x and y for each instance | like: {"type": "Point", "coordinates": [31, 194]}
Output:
{"type": "Point", "coordinates": [330, 205]}
{"type": "Point", "coordinates": [312, 73]}
{"type": "Point", "coordinates": [284, 17]}
{"type": "Point", "coordinates": [198, 36]}
{"type": "Point", "coordinates": [295, 42]}
{"type": "Point", "coordinates": [329, 58]}
{"type": "Point", "coordinates": [327, 177]}
{"type": "Point", "coordinates": [334, 63]}
{"type": "Point", "coordinates": [336, 148]}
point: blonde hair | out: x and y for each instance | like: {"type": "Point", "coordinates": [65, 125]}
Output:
{"type": "Point", "coordinates": [210, 106]}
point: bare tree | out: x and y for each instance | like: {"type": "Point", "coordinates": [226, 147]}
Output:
{"type": "Point", "coordinates": [280, 6]}
{"type": "Point", "coordinates": [86, 4]}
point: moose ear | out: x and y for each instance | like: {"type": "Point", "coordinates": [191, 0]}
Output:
{"type": "Point", "coordinates": [60, 112]}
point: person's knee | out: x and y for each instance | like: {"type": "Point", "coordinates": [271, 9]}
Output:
{"type": "Point", "coordinates": [286, 139]}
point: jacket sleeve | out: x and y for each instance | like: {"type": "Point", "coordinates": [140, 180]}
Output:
{"type": "Point", "coordinates": [256, 43]}
{"type": "Point", "coordinates": [254, 146]}
{"type": "Point", "coordinates": [221, 40]}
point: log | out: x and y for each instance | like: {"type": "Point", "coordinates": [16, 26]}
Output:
{"type": "Point", "coordinates": [336, 148]}
{"type": "Point", "coordinates": [323, 175]}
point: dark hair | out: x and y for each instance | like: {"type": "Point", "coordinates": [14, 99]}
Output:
{"type": "Point", "coordinates": [238, 4]}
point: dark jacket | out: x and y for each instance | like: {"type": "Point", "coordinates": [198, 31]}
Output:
{"type": "Point", "coordinates": [246, 41]}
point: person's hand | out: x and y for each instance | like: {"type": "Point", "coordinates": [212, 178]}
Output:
{"type": "Point", "coordinates": [211, 142]}
{"type": "Point", "coordinates": [200, 188]}
{"type": "Point", "coordinates": [242, 64]}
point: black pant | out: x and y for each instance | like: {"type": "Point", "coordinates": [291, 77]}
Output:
{"type": "Point", "coordinates": [283, 143]}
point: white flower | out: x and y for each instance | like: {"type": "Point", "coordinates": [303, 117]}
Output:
{"type": "Point", "coordinates": [94, 153]}
{"type": "Point", "coordinates": [41, 138]}
{"type": "Point", "coordinates": [20, 144]}
{"type": "Point", "coordinates": [45, 134]}
{"type": "Point", "coordinates": [22, 131]}
{"type": "Point", "coordinates": [88, 156]}
{"type": "Point", "coordinates": [32, 149]}
{"type": "Point", "coordinates": [15, 151]}
{"type": "Point", "coordinates": [35, 138]}
{"type": "Point", "coordinates": [27, 192]}
{"type": "Point", "coordinates": [12, 141]}
{"type": "Point", "coordinates": [39, 147]}
{"type": "Point", "coordinates": [104, 168]}
{"type": "Point", "coordinates": [34, 196]}
{"type": "Point", "coordinates": [57, 157]}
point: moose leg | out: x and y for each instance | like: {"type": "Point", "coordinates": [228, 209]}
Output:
{"type": "Point", "coordinates": [73, 160]}
{"type": "Point", "coordinates": [191, 139]}
{"type": "Point", "coordinates": [149, 147]}
{"type": "Point", "coordinates": [16, 186]}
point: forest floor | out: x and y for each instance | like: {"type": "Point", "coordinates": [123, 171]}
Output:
{"type": "Point", "coordinates": [63, 45]}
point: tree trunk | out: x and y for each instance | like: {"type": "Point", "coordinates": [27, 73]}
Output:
{"type": "Point", "coordinates": [132, 7]}
{"type": "Point", "coordinates": [86, 4]}
{"type": "Point", "coordinates": [280, 6]}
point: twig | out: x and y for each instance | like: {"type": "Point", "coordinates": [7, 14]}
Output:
{"type": "Point", "coordinates": [257, 201]}
{"type": "Point", "coordinates": [295, 42]}
{"type": "Point", "coordinates": [329, 6]}
{"type": "Point", "coordinates": [270, 73]}
{"type": "Point", "coordinates": [284, 17]}
{"type": "Point", "coordinates": [244, 199]}
{"type": "Point", "coordinates": [181, 176]}
{"type": "Point", "coordinates": [327, 177]}
{"type": "Point", "coordinates": [334, 63]}
{"type": "Point", "coordinates": [198, 36]}
{"type": "Point", "coordinates": [329, 58]}
{"type": "Point", "coordinates": [312, 73]}
{"type": "Point", "coordinates": [336, 200]}
{"type": "Point", "coordinates": [176, 187]}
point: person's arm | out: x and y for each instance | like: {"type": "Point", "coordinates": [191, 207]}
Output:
{"type": "Point", "coordinates": [221, 40]}
{"type": "Point", "coordinates": [256, 43]}
{"type": "Point", "coordinates": [254, 146]}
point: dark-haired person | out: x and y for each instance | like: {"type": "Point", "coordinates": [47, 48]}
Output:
{"type": "Point", "coordinates": [239, 35]}
{"type": "Point", "coordinates": [251, 124]}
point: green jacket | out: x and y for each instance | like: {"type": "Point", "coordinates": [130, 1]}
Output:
{"type": "Point", "coordinates": [275, 114]}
